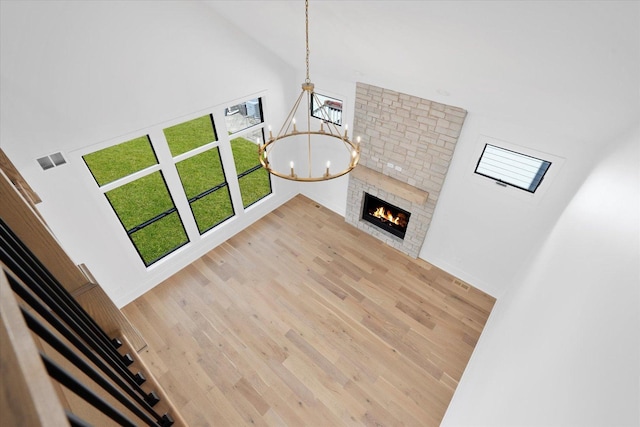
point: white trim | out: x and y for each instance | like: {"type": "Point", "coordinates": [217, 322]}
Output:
{"type": "Point", "coordinates": [167, 166]}
{"type": "Point", "coordinates": [129, 178]}
{"type": "Point", "coordinates": [534, 198]}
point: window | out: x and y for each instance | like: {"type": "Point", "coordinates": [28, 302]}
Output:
{"type": "Point", "coordinates": [511, 168]}
{"type": "Point", "coordinates": [253, 179]}
{"type": "Point", "coordinates": [242, 116]}
{"type": "Point", "coordinates": [201, 172]}
{"type": "Point", "coordinates": [130, 179]}
{"type": "Point", "coordinates": [121, 160]}
{"type": "Point", "coordinates": [326, 108]}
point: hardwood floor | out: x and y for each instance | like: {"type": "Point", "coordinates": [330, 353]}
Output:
{"type": "Point", "coordinates": [303, 320]}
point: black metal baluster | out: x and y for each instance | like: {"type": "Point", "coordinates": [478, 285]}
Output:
{"type": "Point", "coordinates": [69, 335]}
{"type": "Point", "coordinates": [69, 354]}
{"type": "Point", "coordinates": [64, 378]}
{"type": "Point", "coordinates": [30, 280]}
{"type": "Point", "coordinates": [31, 264]}
{"type": "Point", "coordinates": [112, 357]}
{"type": "Point", "coordinates": [76, 421]}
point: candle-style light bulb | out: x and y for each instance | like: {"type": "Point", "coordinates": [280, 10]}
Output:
{"type": "Point", "coordinates": [291, 166]}
{"type": "Point", "coordinates": [270, 134]}
{"type": "Point", "coordinates": [294, 124]}
{"type": "Point", "coordinates": [346, 130]}
{"type": "Point", "coordinates": [328, 164]}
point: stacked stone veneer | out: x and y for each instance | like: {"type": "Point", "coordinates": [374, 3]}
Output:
{"type": "Point", "coordinates": [413, 134]}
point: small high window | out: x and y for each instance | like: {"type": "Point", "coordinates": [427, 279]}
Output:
{"type": "Point", "coordinates": [512, 168]}
{"type": "Point", "coordinates": [326, 108]}
{"type": "Point", "coordinates": [242, 116]}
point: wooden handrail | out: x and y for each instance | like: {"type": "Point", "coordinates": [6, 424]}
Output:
{"type": "Point", "coordinates": [27, 396]}
{"type": "Point", "coordinates": [22, 217]}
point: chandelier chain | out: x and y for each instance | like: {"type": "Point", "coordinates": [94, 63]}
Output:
{"type": "Point", "coordinates": [326, 136]}
{"type": "Point", "coordinates": [306, 15]}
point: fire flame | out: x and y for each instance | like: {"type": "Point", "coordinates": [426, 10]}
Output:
{"type": "Point", "coordinates": [388, 216]}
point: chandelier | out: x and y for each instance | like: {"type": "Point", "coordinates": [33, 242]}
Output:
{"type": "Point", "coordinates": [326, 143]}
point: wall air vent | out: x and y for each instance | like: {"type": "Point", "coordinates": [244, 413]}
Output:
{"type": "Point", "coordinates": [52, 160]}
{"type": "Point", "coordinates": [459, 283]}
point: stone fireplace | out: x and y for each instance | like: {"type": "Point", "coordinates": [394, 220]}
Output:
{"type": "Point", "coordinates": [407, 146]}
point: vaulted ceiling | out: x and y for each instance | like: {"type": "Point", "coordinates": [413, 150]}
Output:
{"type": "Point", "coordinates": [575, 64]}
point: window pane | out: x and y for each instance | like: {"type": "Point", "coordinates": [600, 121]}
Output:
{"type": "Point", "coordinates": [516, 169]}
{"type": "Point", "coordinates": [201, 172]}
{"type": "Point", "coordinates": [254, 186]}
{"type": "Point", "coordinates": [326, 108]}
{"type": "Point", "coordinates": [149, 216]}
{"type": "Point", "coordinates": [212, 209]}
{"type": "Point", "coordinates": [245, 151]}
{"type": "Point", "coordinates": [242, 116]}
{"type": "Point", "coordinates": [189, 135]}
{"type": "Point", "coordinates": [140, 200]}
{"type": "Point", "coordinates": [120, 160]}
{"type": "Point", "coordinates": [159, 238]}
{"type": "Point", "coordinates": [199, 175]}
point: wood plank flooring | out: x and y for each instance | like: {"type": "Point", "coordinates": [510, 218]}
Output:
{"type": "Point", "coordinates": [303, 320]}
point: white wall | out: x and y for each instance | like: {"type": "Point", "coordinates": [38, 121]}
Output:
{"type": "Point", "coordinates": [333, 194]}
{"type": "Point", "coordinates": [555, 77]}
{"type": "Point", "coordinates": [486, 234]}
{"type": "Point", "coordinates": [480, 232]}
{"type": "Point", "coordinates": [78, 76]}
{"type": "Point", "coordinates": [562, 347]}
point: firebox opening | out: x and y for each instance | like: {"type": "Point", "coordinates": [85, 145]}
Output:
{"type": "Point", "coordinates": [385, 215]}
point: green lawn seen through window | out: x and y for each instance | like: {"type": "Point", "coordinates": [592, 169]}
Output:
{"type": "Point", "coordinates": [199, 174]}
{"type": "Point", "coordinates": [118, 161]}
{"type": "Point", "coordinates": [254, 185]}
{"type": "Point", "coordinates": [189, 135]}
{"type": "Point", "coordinates": [140, 201]}
{"type": "Point", "coordinates": [146, 208]}
{"type": "Point", "coordinates": [159, 238]}
{"type": "Point", "coordinates": [212, 209]}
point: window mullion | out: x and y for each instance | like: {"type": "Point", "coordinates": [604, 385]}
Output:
{"type": "Point", "coordinates": [228, 163]}
{"type": "Point", "coordinates": [129, 178]}
{"type": "Point", "coordinates": [173, 183]}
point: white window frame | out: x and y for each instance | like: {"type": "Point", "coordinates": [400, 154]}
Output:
{"type": "Point", "coordinates": [556, 165]}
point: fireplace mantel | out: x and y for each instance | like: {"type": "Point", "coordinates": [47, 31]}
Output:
{"type": "Point", "coordinates": [390, 185]}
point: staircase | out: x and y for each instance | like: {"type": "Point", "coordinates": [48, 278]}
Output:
{"type": "Point", "coordinates": [58, 367]}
